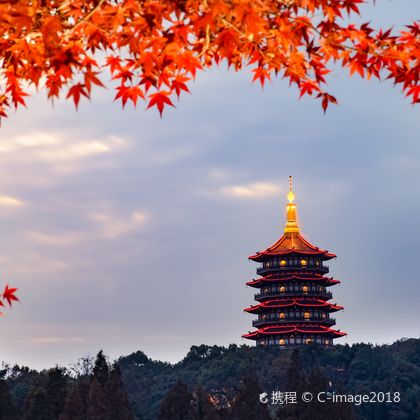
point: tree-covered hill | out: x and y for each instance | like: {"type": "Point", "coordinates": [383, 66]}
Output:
{"type": "Point", "coordinates": [214, 382]}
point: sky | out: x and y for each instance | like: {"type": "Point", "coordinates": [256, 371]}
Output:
{"type": "Point", "coordinates": [127, 232]}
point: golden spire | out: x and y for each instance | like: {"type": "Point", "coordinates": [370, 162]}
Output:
{"type": "Point", "coordinates": [291, 224]}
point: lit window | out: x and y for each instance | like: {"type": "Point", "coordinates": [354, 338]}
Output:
{"type": "Point", "coordinates": [303, 263]}
{"type": "Point", "coordinates": [305, 289]}
{"type": "Point", "coordinates": [307, 315]}
{"type": "Point", "coordinates": [282, 342]}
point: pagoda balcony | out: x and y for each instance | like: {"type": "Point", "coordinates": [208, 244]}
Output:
{"type": "Point", "coordinates": [270, 295]}
{"type": "Point", "coordinates": [276, 269]}
{"type": "Point", "coordinates": [276, 321]}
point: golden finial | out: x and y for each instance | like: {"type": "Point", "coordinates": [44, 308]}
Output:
{"type": "Point", "coordinates": [291, 223]}
{"type": "Point", "coordinates": [290, 195]}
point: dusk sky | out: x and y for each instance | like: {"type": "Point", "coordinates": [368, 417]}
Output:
{"type": "Point", "coordinates": [127, 232]}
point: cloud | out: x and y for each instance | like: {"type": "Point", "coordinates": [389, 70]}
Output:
{"type": "Point", "coordinates": [58, 146]}
{"type": "Point", "coordinates": [59, 239]}
{"type": "Point", "coordinates": [56, 340]}
{"type": "Point", "coordinates": [252, 190]}
{"type": "Point", "coordinates": [9, 201]}
{"type": "Point", "coordinates": [102, 225]}
{"type": "Point", "coordinates": [31, 263]}
{"type": "Point", "coordinates": [111, 227]}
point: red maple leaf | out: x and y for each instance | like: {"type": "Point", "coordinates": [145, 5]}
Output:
{"type": "Point", "coordinates": [178, 84]}
{"type": "Point", "coordinates": [159, 100]}
{"type": "Point", "coordinates": [76, 92]}
{"type": "Point", "coordinates": [9, 294]}
{"type": "Point", "coordinates": [131, 93]}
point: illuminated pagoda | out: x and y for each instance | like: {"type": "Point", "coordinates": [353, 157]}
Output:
{"type": "Point", "coordinates": [293, 300]}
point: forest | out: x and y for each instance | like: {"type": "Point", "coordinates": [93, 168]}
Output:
{"type": "Point", "coordinates": [214, 382]}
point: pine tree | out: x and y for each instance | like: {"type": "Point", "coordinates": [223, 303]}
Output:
{"type": "Point", "coordinates": [296, 382]}
{"type": "Point", "coordinates": [343, 411]}
{"type": "Point", "coordinates": [101, 368]}
{"type": "Point", "coordinates": [97, 404]}
{"type": "Point", "coordinates": [202, 408]}
{"type": "Point", "coordinates": [247, 404]}
{"type": "Point", "coordinates": [7, 409]}
{"type": "Point", "coordinates": [316, 410]}
{"type": "Point", "coordinates": [36, 406]}
{"type": "Point", "coordinates": [97, 401]}
{"type": "Point", "coordinates": [177, 404]}
{"type": "Point", "coordinates": [56, 390]}
{"type": "Point", "coordinates": [75, 407]}
{"type": "Point", "coordinates": [119, 406]}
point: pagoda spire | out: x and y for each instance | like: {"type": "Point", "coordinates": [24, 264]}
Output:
{"type": "Point", "coordinates": [291, 223]}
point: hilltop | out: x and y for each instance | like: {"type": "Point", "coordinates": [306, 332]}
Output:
{"type": "Point", "coordinates": [214, 382]}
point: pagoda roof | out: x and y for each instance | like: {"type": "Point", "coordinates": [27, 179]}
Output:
{"type": "Point", "coordinates": [290, 329]}
{"type": "Point", "coordinates": [291, 242]}
{"type": "Point", "coordinates": [285, 303]}
{"type": "Point", "coordinates": [275, 278]}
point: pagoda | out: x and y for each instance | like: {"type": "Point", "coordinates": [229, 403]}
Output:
{"type": "Point", "coordinates": [293, 298]}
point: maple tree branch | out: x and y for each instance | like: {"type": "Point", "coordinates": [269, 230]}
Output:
{"type": "Point", "coordinates": [83, 20]}
{"type": "Point", "coordinates": [336, 44]}
{"type": "Point", "coordinates": [206, 45]}
{"type": "Point", "coordinates": [270, 36]}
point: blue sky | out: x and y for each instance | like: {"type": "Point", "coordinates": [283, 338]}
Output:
{"type": "Point", "coordinates": [124, 231]}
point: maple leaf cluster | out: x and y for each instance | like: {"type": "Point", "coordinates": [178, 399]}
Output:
{"type": "Point", "coordinates": [8, 295]}
{"type": "Point", "coordinates": [152, 49]}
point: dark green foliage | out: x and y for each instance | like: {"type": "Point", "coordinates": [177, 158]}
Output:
{"type": "Point", "coordinates": [75, 407]}
{"type": "Point", "coordinates": [177, 404]}
{"type": "Point", "coordinates": [36, 407]}
{"type": "Point", "coordinates": [7, 408]}
{"type": "Point", "coordinates": [247, 404]}
{"type": "Point", "coordinates": [214, 385]}
{"type": "Point", "coordinates": [202, 408]}
{"type": "Point", "coordinates": [107, 398]}
{"type": "Point", "coordinates": [119, 406]}
{"type": "Point", "coordinates": [97, 405]}
{"type": "Point", "coordinates": [296, 382]}
{"type": "Point", "coordinates": [56, 389]}
{"type": "Point", "coordinates": [22, 381]}
{"type": "Point", "coordinates": [101, 368]}
{"type": "Point", "coordinates": [94, 394]}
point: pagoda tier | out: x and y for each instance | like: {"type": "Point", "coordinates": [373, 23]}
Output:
{"type": "Point", "coordinates": [291, 243]}
{"type": "Point", "coordinates": [272, 280]}
{"type": "Point", "coordinates": [294, 335]}
{"type": "Point", "coordinates": [293, 303]}
{"type": "Point", "coordinates": [293, 306]}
